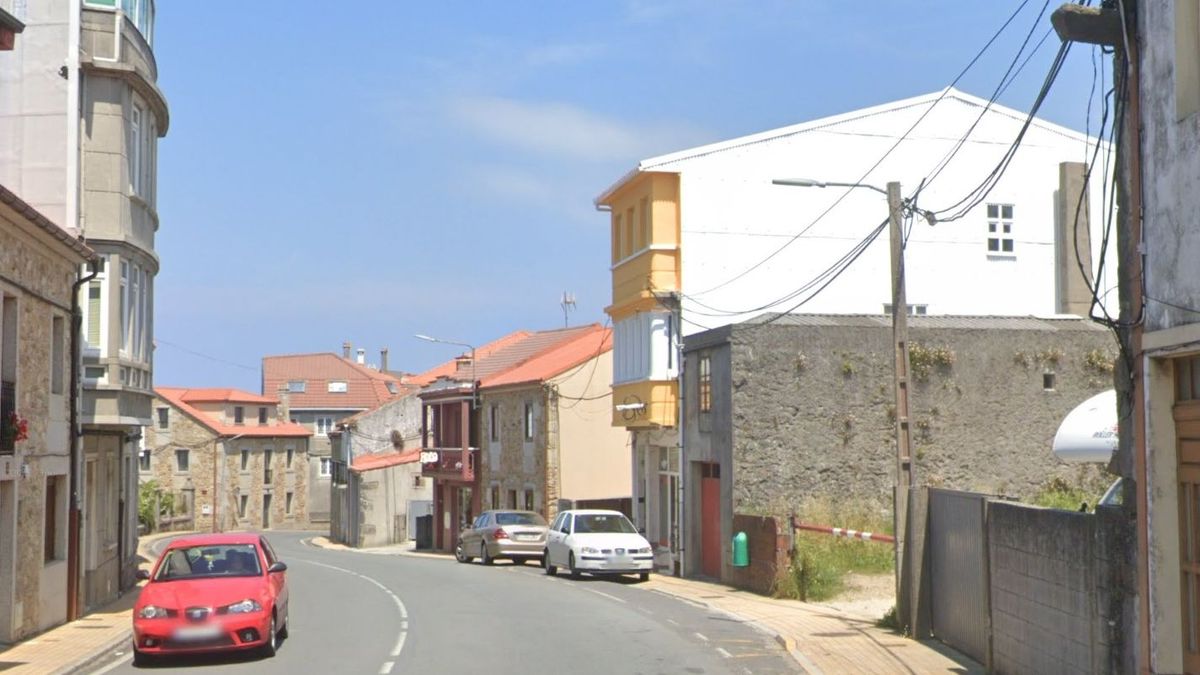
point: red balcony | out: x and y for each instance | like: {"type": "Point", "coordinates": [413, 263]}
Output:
{"type": "Point", "coordinates": [448, 463]}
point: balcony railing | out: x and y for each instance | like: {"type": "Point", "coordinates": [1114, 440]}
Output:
{"type": "Point", "coordinates": [8, 405]}
{"type": "Point", "coordinates": [448, 463]}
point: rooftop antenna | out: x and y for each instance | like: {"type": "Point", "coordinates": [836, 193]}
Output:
{"type": "Point", "coordinates": [568, 306]}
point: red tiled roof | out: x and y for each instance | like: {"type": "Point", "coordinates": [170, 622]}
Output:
{"type": "Point", "coordinates": [509, 352]}
{"type": "Point", "coordinates": [383, 461]}
{"type": "Point", "coordinates": [225, 396]}
{"type": "Point", "coordinates": [366, 388]}
{"type": "Point", "coordinates": [450, 368]}
{"type": "Point", "coordinates": [181, 398]}
{"type": "Point", "coordinates": [556, 360]}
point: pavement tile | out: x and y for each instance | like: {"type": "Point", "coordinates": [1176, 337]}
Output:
{"type": "Point", "coordinates": [69, 648]}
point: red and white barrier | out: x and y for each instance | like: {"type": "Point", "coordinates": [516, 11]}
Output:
{"type": "Point", "coordinates": [843, 532]}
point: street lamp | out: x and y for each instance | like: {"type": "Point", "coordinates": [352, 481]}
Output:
{"type": "Point", "coordinates": [474, 385]}
{"type": "Point", "coordinates": [904, 464]}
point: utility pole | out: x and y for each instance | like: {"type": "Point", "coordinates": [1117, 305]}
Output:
{"type": "Point", "coordinates": [904, 468]}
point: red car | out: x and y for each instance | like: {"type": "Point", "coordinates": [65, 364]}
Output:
{"type": "Point", "coordinates": [212, 592]}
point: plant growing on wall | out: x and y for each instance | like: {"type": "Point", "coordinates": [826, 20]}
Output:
{"type": "Point", "coordinates": [1100, 360]}
{"type": "Point", "coordinates": [922, 360]}
{"type": "Point", "coordinates": [13, 429]}
{"type": "Point", "coordinates": [1021, 359]}
{"type": "Point", "coordinates": [1049, 357]}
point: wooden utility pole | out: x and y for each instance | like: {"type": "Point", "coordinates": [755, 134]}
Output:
{"type": "Point", "coordinates": [904, 468]}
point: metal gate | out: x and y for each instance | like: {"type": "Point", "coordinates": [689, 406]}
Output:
{"type": "Point", "coordinates": [958, 557]}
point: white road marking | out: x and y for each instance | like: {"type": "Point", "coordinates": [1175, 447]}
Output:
{"type": "Point", "coordinates": [673, 622]}
{"type": "Point", "coordinates": [610, 597]}
{"type": "Point", "coordinates": [702, 638]}
{"type": "Point", "coordinates": [395, 599]}
{"type": "Point", "coordinates": [113, 666]}
{"type": "Point", "coordinates": [386, 667]}
{"type": "Point", "coordinates": [722, 652]}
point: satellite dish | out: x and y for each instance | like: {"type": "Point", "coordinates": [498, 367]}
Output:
{"type": "Point", "coordinates": [1089, 432]}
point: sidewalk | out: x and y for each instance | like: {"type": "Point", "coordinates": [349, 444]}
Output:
{"type": "Point", "coordinates": [71, 647]}
{"type": "Point", "coordinates": [823, 640]}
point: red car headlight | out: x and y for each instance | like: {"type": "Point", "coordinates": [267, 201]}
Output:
{"type": "Point", "coordinates": [244, 607]}
{"type": "Point", "coordinates": [153, 612]}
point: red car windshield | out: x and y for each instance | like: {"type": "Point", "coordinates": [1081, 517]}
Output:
{"type": "Point", "coordinates": [216, 560]}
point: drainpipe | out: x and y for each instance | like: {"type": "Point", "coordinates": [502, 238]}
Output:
{"type": "Point", "coordinates": [75, 450]}
{"type": "Point", "coordinates": [216, 487]}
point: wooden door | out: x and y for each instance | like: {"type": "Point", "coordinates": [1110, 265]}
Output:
{"type": "Point", "coordinates": [1187, 445]}
{"type": "Point", "coordinates": [710, 520]}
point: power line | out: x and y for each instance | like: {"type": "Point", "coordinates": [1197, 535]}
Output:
{"type": "Point", "coordinates": [879, 161]}
{"type": "Point", "coordinates": [158, 340]}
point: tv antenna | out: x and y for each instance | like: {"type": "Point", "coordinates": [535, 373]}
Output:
{"type": "Point", "coordinates": [568, 305]}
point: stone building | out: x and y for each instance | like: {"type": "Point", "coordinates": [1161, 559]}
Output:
{"type": "Point", "coordinates": [785, 410]}
{"type": "Point", "coordinates": [80, 115]}
{"type": "Point", "coordinates": [229, 458]}
{"type": "Point", "coordinates": [377, 488]}
{"type": "Point", "coordinates": [322, 390]}
{"type": "Point", "coordinates": [547, 441]}
{"type": "Point", "coordinates": [39, 265]}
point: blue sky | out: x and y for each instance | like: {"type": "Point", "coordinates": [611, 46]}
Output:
{"type": "Point", "coordinates": [404, 168]}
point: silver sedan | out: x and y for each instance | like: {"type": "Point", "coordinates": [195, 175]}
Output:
{"type": "Point", "coordinates": [516, 535]}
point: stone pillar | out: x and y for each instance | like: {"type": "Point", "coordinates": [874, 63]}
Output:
{"type": "Point", "coordinates": [1073, 242]}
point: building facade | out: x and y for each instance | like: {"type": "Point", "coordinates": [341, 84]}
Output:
{"type": "Point", "coordinates": [548, 443]}
{"type": "Point", "coordinates": [39, 266]}
{"type": "Point", "coordinates": [322, 390]}
{"type": "Point", "coordinates": [82, 149]}
{"type": "Point", "coordinates": [703, 238]}
{"type": "Point", "coordinates": [228, 458]}
{"type": "Point", "coordinates": [377, 487]}
{"type": "Point", "coordinates": [786, 415]}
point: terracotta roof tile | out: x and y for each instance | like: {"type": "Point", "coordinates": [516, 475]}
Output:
{"type": "Point", "coordinates": [366, 388]}
{"type": "Point", "coordinates": [557, 359]}
{"type": "Point", "coordinates": [384, 460]}
{"type": "Point", "coordinates": [182, 398]}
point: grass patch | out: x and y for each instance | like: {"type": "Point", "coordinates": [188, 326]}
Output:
{"type": "Point", "coordinates": [820, 562]}
{"type": "Point", "coordinates": [1057, 493]}
{"type": "Point", "coordinates": [889, 621]}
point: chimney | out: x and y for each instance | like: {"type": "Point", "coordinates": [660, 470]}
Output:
{"type": "Point", "coordinates": [383, 360]}
{"type": "Point", "coordinates": [346, 350]}
{"type": "Point", "coordinates": [1072, 239]}
{"type": "Point", "coordinates": [361, 356]}
{"type": "Point", "coordinates": [462, 363]}
{"type": "Point", "coordinates": [284, 410]}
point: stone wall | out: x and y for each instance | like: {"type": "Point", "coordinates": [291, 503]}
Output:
{"type": "Point", "coordinates": [513, 463]}
{"type": "Point", "coordinates": [813, 407]}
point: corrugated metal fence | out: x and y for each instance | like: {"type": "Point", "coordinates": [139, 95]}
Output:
{"type": "Point", "coordinates": [958, 558]}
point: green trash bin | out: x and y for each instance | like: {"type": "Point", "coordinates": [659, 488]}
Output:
{"type": "Point", "coordinates": [741, 550]}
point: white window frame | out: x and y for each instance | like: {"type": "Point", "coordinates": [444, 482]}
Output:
{"type": "Point", "coordinates": [124, 308]}
{"type": "Point", "coordinates": [1000, 230]}
{"type": "Point", "coordinates": [324, 467]}
{"type": "Point", "coordinates": [136, 142]}
{"type": "Point", "coordinates": [297, 386]}
{"type": "Point", "coordinates": [337, 387]}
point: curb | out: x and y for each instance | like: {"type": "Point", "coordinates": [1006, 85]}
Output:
{"type": "Point", "coordinates": [84, 664]}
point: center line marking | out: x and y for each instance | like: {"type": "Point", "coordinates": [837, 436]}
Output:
{"type": "Point", "coordinates": [610, 597]}
{"type": "Point", "coordinates": [722, 652]}
{"type": "Point", "coordinates": [386, 668]}
{"type": "Point", "coordinates": [701, 637]}
{"type": "Point", "coordinates": [403, 634]}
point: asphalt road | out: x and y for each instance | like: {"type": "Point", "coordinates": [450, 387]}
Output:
{"type": "Point", "coordinates": [360, 613]}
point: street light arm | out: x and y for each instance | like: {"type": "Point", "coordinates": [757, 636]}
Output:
{"type": "Point", "coordinates": [808, 182]}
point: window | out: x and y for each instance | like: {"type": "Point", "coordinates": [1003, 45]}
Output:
{"type": "Point", "coordinates": [58, 335]}
{"type": "Point", "coordinates": [125, 315]}
{"type": "Point", "coordinates": [93, 313]}
{"type": "Point", "coordinates": [392, 388]}
{"type": "Point", "coordinates": [262, 415]}
{"type": "Point", "coordinates": [493, 423]}
{"type": "Point", "coordinates": [239, 414]}
{"type": "Point", "coordinates": [705, 393]}
{"type": "Point", "coordinates": [913, 310]}
{"type": "Point", "coordinates": [94, 373]}
{"type": "Point", "coordinates": [1048, 381]}
{"type": "Point", "coordinates": [242, 501]}
{"type": "Point", "coordinates": [144, 460]}
{"type": "Point", "coordinates": [616, 237]}
{"type": "Point", "coordinates": [1000, 223]}
{"type": "Point", "coordinates": [494, 500]}
{"type": "Point", "coordinates": [267, 455]}
{"type": "Point", "coordinates": [287, 503]}
{"type": "Point", "coordinates": [134, 151]}
{"type": "Point", "coordinates": [528, 421]}
{"type": "Point", "coordinates": [628, 248]}
{"type": "Point", "coordinates": [164, 417]}
{"type": "Point", "coordinates": [290, 455]}
{"type": "Point", "coordinates": [324, 471]}
{"type": "Point", "coordinates": [245, 459]}
{"type": "Point", "coordinates": [512, 499]}
{"type": "Point", "coordinates": [323, 425]}
{"type": "Point", "coordinates": [528, 500]}
{"type": "Point", "coordinates": [181, 459]}
{"type": "Point", "coordinates": [295, 386]}
{"type": "Point", "coordinates": [337, 386]}
{"type": "Point", "coordinates": [50, 550]}
{"type": "Point", "coordinates": [643, 224]}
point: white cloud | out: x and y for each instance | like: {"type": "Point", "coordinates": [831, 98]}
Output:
{"type": "Point", "coordinates": [564, 130]}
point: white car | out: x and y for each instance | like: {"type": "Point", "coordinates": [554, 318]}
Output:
{"type": "Point", "coordinates": [596, 542]}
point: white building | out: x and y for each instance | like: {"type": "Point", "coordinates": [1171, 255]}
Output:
{"type": "Point", "coordinates": [703, 238]}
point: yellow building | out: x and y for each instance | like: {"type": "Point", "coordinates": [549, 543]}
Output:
{"type": "Point", "coordinates": [645, 235]}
